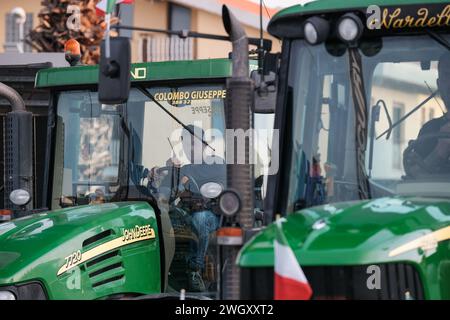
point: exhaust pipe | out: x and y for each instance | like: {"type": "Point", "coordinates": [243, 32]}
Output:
{"type": "Point", "coordinates": [240, 93]}
{"type": "Point", "coordinates": [239, 41]}
{"type": "Point", "coordinates": [18, 149]}
{"type": "Point", "coordinates": [239, 116]}
{"type": "Point", "coordinates": [13, 97]}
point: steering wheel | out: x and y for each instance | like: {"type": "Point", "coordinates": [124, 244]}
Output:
{"type": "Point", "coordinates": [191, 178]}
{"type": "Point", "coordinates": [193, 182]}
{"type": "Point", "coordinates": [412, 158]}
{"type": "Point", "coordinates": [161, 169]}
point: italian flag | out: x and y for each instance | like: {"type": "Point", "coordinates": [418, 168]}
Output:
{"type": "Point", "coordinates": [107, 6]}
{"type": "Point", "coordinates": [290, 282]}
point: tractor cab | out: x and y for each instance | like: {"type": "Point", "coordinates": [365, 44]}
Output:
{"type": "Point", "coordinates": [138, 151]}
{"type": "Point", "coordinates": [369, 120]}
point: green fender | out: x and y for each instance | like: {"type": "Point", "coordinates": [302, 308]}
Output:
{"type": "Point", "coordinates": [412, 230]}
{"type": "Point", "coordinates": [84, 252]}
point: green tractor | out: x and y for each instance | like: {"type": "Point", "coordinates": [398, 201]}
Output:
{"type": "Point", "coordinates": [121, 208]}
{"type": "Point", "coordinates": [364, 179]}
{"type": "Point", "coordinates": [362, 184]}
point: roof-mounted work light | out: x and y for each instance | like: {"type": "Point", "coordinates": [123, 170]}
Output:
{"type": "Point", "coordinates": [316, 30]}
{"type": "Point", "coordinates": [350, 28]}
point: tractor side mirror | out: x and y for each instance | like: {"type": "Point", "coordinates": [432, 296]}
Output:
{"type": "Point", "coordinates": [266, 85]}
{"type": "Point", "coordinates": [114, 73]}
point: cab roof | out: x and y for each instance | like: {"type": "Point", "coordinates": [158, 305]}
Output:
{"type": "Point", "coordinates": [301, 12]}
{"type": "Point", "coordinates": [140, 72]}
{"type": "Point", "coordinates": [339, 5]}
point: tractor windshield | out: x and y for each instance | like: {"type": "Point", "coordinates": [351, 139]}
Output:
{"type": "Point", "coordinates": [368, 122]}
{"type": "Point", "coordinates": [144, 151]}
{"type": "Point", "coordinates": [104, 150]}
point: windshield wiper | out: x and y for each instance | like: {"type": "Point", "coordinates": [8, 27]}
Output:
{"type": "Point", "coordinates": [185, 127]}
{"type": "Point", "coordinates": [437, 101]}
{"type": "Point", "coordinates": [406, 116]}
{"type": "Point", "coordinates": [438, 38]}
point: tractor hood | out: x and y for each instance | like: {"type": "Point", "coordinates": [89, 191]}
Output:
{"type": "Point", "coordinates": [36, 247]}
{"type": "Point", "coordinates": [354, 233]}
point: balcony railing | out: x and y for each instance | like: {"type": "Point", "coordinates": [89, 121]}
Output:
{"type": "Point", "coordinates": [158, 48]}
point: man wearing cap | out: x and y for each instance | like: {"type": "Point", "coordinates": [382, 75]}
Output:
{"type": "Point", "coordinates": [431, 155]}
{"type": "Point", "coordinates": [201, 169]}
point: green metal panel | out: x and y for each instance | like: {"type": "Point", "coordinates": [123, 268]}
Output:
{"type": "Point", "coordinates": [337, 5]}
{"type": "Point", "coordinates": [152, 71]}
{"type": "Point", "coordinates": [362, 233]}
{"type": "Point", "coordinates": [35, 249]}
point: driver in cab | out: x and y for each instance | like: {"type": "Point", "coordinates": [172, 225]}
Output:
{"type": "Point", "coordinates": [430, 153]}
{"type": "Point", "coordinates": [200, 170]}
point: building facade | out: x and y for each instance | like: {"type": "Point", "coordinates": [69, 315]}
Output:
{"type": "Point", "coordinates": [196, 15]}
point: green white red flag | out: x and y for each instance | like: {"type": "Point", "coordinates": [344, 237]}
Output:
{"type": "Point", "coordinates": [107, 6]}
{"type": "Point", "coordinates": [290, 282]}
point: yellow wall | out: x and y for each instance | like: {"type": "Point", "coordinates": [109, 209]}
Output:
{"type": "Point", "coordinates": [155, 15]}
{"type": "Point", "coordinates": [30, 6]}
{"type": "Point", "coordinates": [152, 14]}
{"type": "Point", "coordinates": [148, 14]}
{"type": "Point", "coordinates": [206, 22]}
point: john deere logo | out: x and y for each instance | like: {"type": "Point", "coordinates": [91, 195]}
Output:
{"type": "Point", "coordinates": [139, 73]}
{"type": "Point", "coordinates": [129, 236]}
{"type": "Point", "coordinates": [137, 233]}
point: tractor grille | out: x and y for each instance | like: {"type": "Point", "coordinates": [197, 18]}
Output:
{"type": "Point", "coordinates": [21, 78]}
{"type": "Point", "coordinates": [107, 267]}
{"type": "Point", "coordinates": [398, 281]}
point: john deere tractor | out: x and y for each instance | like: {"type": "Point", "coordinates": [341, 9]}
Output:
{"type": "Point", "coordinates": [364, 179]}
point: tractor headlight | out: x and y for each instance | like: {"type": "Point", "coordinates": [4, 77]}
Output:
{"type": "Point", "coordinates": [229, 203]}
{"type": "Point", "coordinates": [316, 30]}
{"type": "Point", "coordinates": [211, 190]}
{"type": "Point", "coordinates": [350, 27]}
{"type": "Point", "coordinates": [27, 291]}
{"type": "Point", "coordinates": [20, 197]}
{"type": "Point", "coordinates": [7, 295]}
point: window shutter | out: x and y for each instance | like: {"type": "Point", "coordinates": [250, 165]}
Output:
{"type": "Point", "coordinates": [27, 29]}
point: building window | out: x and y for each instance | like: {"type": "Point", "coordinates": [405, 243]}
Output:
{"type": "Point", "coordinates": [162, 48]}
{"type": "Point", "coordinates": [398, 135]}
{"type": "Point", "coordinates": [169, 48]}
{"type": "Point", "coordinates": [179, 17]}
{"type": "Point", "coordinates": [126, 16]}
{"type": "Point", "coordinates": [13, 32]}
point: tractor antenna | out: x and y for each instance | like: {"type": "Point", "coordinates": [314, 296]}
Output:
{"type": "Point", "coordinates": [261, 42]}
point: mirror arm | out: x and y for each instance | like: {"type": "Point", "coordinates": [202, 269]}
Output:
{"type": "Point", "coordinates": [266, 43]}
{"type": "Point", "coordinates": [392, 126]}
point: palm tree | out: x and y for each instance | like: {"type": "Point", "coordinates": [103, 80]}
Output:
{"type": "Point", "coordinates": [61, 20]}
